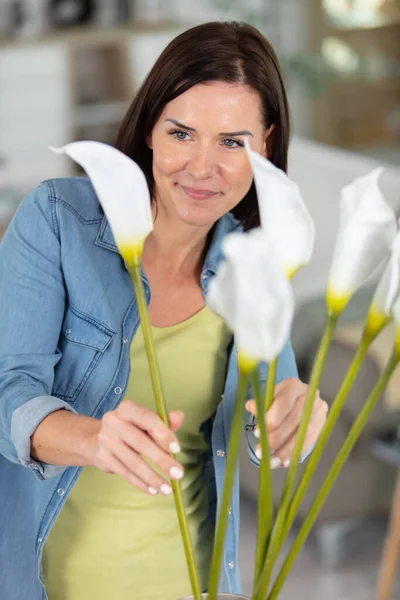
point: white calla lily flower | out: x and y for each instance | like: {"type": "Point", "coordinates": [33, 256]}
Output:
{"type": "Point", "coordinates": [122, 189]}
{"type": "Point", "coordinates": [283, 214]}
{"type": "Point", "coordinates": [253, 295]}
{"type": "Point", "coordinates": [366, 232]}
{"type": "Point", "coordinates": [387, 292]}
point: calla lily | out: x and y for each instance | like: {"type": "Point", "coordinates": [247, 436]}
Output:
{"type": "Point", "coordinates": [252, 294]}
{"type": "Point", "coordinates": [380, 313]}
{"type": "Point", "coordinates": [283, 214]}
{"type": "Point", "coordinates": [122, 189]}
{"type": "Point", "coordinates": [387, 292]}
{"type": "Point", "coordinates": [366, 231]}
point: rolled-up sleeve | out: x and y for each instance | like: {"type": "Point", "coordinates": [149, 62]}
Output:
{"type": "Point", "coordinates": [32, 304]}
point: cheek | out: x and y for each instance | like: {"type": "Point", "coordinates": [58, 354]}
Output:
{"type": "Point", "coordinates": [165, 164]}
{"type": "Point", "coordinates": [238, 174]}
{"type": "Point", "coordinates": [166, 160]}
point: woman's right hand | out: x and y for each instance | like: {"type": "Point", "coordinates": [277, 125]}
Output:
{"type": "Point", "coordinates": [131, 432]}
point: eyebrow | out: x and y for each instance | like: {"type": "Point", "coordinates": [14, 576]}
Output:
{"type": "Point", "coordinates": [224, 133]}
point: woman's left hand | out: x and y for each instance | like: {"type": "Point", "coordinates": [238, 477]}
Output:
{"type": "Point", "coordinates": [283, 420]}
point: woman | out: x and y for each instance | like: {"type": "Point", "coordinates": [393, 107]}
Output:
{"type": "Point", "coordinates": [76, 402]}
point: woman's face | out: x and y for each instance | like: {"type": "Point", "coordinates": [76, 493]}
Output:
{"type": "Point", "coordinates": [200, 165]}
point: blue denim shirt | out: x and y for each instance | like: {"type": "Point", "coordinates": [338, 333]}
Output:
{"type": "Point", "coordinates": [67, 317]}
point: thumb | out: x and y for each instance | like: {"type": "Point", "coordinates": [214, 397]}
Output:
{"type": "Point", "coordinates": [175, 419]}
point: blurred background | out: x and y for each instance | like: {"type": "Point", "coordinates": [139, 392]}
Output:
{"type": "Point", "coordinates": [69, 70]}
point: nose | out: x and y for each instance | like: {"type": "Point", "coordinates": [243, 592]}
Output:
{"type": "Point", "coordinates": [202, 163]}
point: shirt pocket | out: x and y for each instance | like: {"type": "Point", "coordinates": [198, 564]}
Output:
{"type": "Point", "coordinates": [82, 343]}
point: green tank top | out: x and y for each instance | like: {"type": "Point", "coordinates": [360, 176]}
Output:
{"type": "Point", "coordinates": [113, 541]}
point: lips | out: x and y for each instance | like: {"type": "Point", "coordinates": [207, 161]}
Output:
{"type": "Point", "coordinates": [198, 194]}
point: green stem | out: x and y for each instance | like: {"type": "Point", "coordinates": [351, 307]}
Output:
{"type": "Point", "coordinates": [277, 532]}
{"type": "Point", "coordinates": [231, 462]}
{"type": "Point", "coordinates": [269, 398]}
{"type": "Point", "coordinates": [136, 275]}
{"type": "Point", "coordinates": [265, 493]}
{"type": "Point", "coordinates": [334, 472]}
{"type": "Point", "coordinates": [315, 456]}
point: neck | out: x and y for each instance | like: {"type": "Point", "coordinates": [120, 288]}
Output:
{"type": "Point", "coordinates": [176, 246]}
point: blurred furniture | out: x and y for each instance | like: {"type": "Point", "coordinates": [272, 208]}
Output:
{"type": "Point", "coordinates": [360, 42]}
{"type": "Point", "coordinates": [386, 446]}
{"type": "Point", "coordinates": [33, 112]}
{"type": "Point", "coordinates": [68, 85]}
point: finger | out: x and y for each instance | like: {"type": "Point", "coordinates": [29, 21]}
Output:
{"type": "Point", "coordinates": [135, 465]}
{"type": "Point", "coordinates": [315, 427]}
{"type": "Point", "coordinates": [150, 422]}
{"type": "Point", "coordinates": [284, 401]}
{"type": "Point", "coordinates": [108, 463]}
{"type": "Point", "coordinates": [176, 419]}
{"type": "Point", "coordinates": [251, 407]}
{"type": "Point", "coordinates": [141, 443]}
{"type": "Point", "coordinates": [279, 436]}
{"type": "Point", "coordinates": [321, 406]}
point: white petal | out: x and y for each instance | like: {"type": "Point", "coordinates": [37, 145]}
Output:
{"type": "Point", "coordinates": [253, 295]}
{"type": "Point", "coordinates": [388, 288]}
{"type": "Point", "coordinates": [283, 214]}
{"type": "Point", "coordinates": [121, 187]}
{"type": "Point", "coordinates": [221, 294]}
{"type": "Point", "coordinates": [361, 193]}
{"type": "Point", "coordinates": [366, 232]}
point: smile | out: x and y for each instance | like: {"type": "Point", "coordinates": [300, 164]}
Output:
{"type": "Point", "coordinates": [198, 194]}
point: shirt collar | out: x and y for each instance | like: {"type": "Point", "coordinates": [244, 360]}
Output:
{"type": "Point", "coordinates": [226, 224]}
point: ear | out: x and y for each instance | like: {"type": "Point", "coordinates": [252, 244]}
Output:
{"type": "Point", "coordinates": [269, 141]}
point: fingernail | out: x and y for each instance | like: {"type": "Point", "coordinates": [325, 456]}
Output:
{"type": "Point", "coordinates": [174, 447]}
{"type": "Point", "coordinates": [257, 433]}
{"type": "Point", "coordinates": [258, 453]}
{"type": "Point", "coordinates": [248, 405]}
{"type": "Point", "coordinates": [286, 463]}
{"type": "Point", "coordinates": [165, 489]}
{"type": "Point", "coordinates": [275, 462]}
{"type": "Point", "coordinates": [152, 491]}
{"type": "Point", "coordinates": [176, 473]}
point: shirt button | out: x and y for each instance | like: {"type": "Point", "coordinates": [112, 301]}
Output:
{"type": "Point", "coordinates": [125, 340]}
{"type": "Point", "coordinates": [60, 492]}
{"type": "Point", "coordinates": [204, 277]}
{"type": "Point", "coordinates": [39, 540]}
{"type": "Point", "coordinates": [68, 332]}
{"type": "Point", "coordinates": [229, 511]}
{"type": "Point", "coordinates": [220, 453]}
{"type": "Point", "coordinates": [231, 564]}
{"type": "Point", "coordinates": [118, 390]}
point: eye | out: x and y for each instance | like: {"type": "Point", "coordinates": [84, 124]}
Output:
{"type": "Point", "coordinates": [179, 135]}
{"type": "Point", "coordinates": [231, 143]}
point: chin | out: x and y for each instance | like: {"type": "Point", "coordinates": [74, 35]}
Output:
{"type": "Point", "coordinates": [197, 218]}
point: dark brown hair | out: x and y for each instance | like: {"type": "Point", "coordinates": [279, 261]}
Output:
{"type": "Point", "coordinates": [233, 52]}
